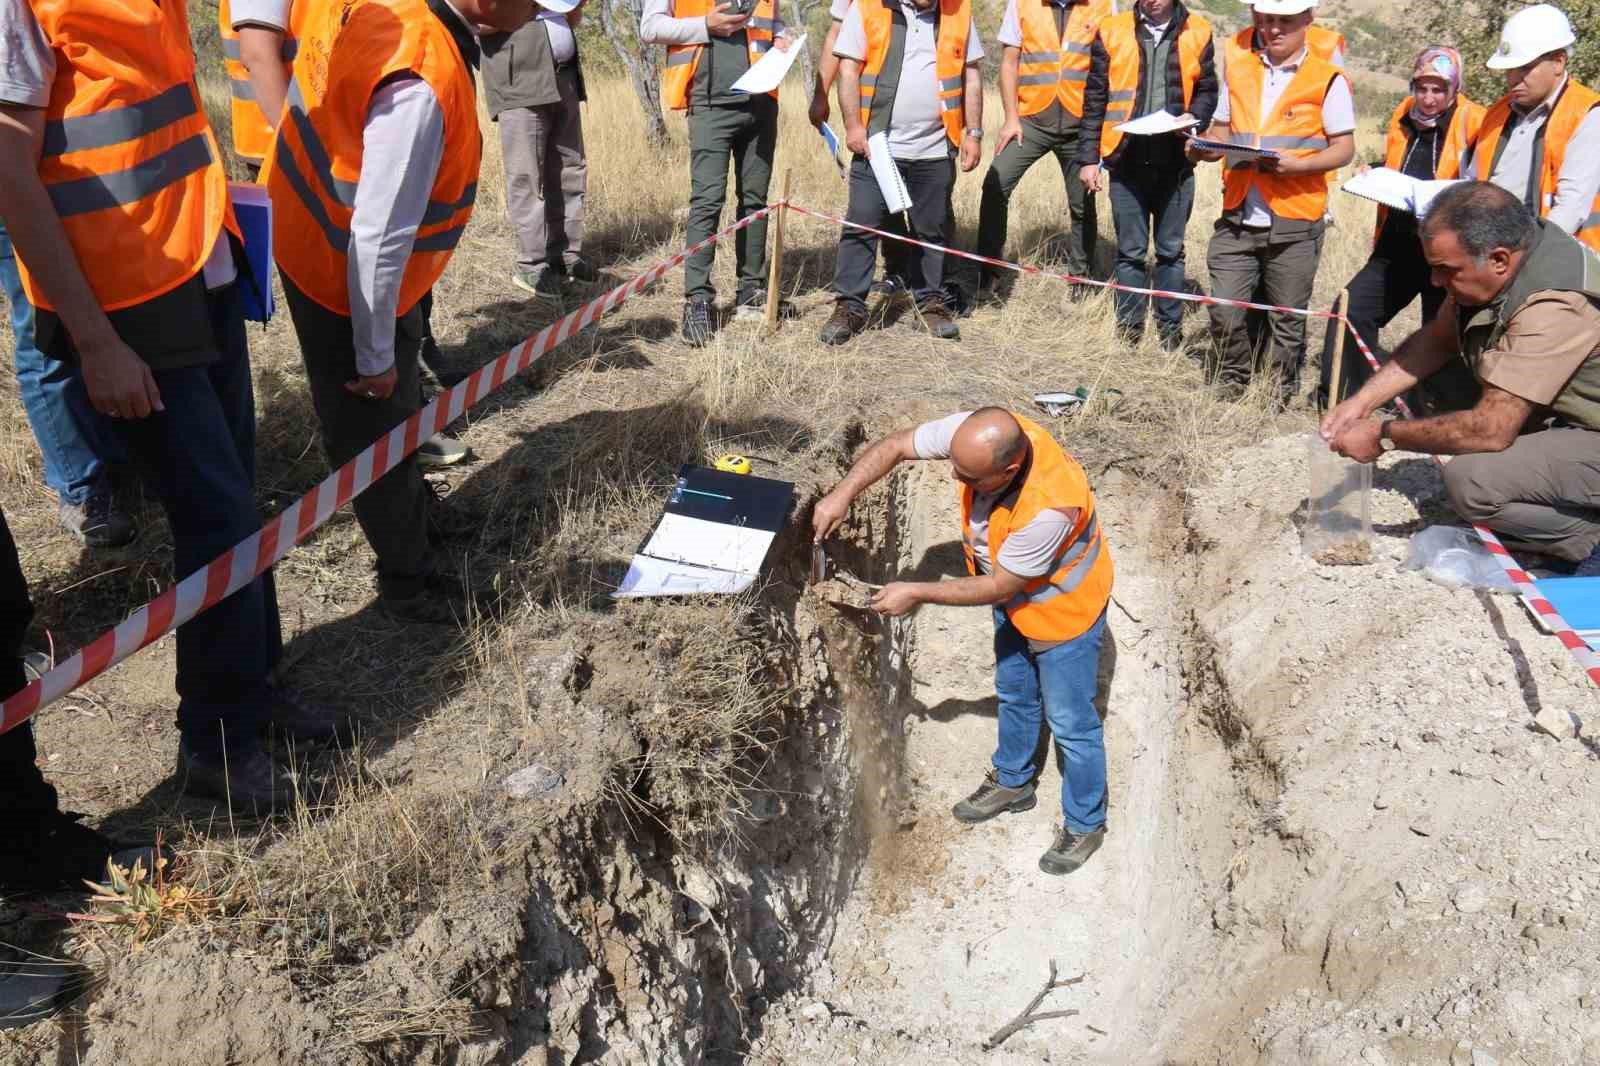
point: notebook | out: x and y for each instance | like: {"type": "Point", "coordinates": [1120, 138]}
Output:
{"type": "Point", "coordinates": [253, 210]}
{"type": "Point", "coordinates": [895, 195]}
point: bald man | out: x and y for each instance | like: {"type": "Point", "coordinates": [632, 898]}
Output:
{"type": "Point", "coordinates": [1037, 559]}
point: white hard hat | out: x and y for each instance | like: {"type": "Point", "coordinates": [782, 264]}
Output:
{"type": "Point", "coordinates": [1530, 33]}
{"type": "Point", "coordinates": [1282, 7]}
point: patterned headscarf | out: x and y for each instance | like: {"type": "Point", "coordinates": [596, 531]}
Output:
{"type": "Point", "coordinates": [1437, 61]}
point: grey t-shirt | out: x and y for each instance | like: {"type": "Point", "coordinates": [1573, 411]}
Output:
{"type": "Point", "coordinates": [1028, 552]}
{"type": "Point", "coordinates": [916, 126]}
{"type": "Point", "coordinates": [27, 65]}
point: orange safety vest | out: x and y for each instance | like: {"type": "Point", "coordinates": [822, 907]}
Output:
{"type": "Point", "coordinates": [1574, 102]}
{"type": "Point", "coordinates": [1119, 36]}
{"type": "Point", "coordinates": [1055, 66]}
{"type": "Point", "coordinates": [950, 61]}
{"type": "Point", "coordinates": [128, 159]}
{"type": "Point", "coordinates": [1063, 604]}
{"type": "Point", "coordinates": [1321, 42]}
{"type": "Point", "coordinates": [683, 60]}
{"type": "Point", "coordinates": [1458, 139]}
{"type": "Point", "coordinates": [252, 133]}
{"type": "Point", "coordinates": [316, 160]}
{"type": "Point", "coordinates": [1293, 128]}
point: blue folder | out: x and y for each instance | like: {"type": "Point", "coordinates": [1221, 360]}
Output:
{"type": "Point", "coordinates": [1578, 601]}
{"type": "Point", "coordinates": [253, 210]}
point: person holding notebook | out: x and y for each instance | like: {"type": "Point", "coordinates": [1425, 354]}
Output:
{"type": "Point", "coordinates": [908, 69]}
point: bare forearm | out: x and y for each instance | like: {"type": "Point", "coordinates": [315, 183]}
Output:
{"type": "Point", "coordinates": [976, 591]}
{"type": "Point", "coordinates": [261, 52]}
{"type": "Point", "coordinates": [850, 94]}
{"type": "Point", "coordinates": [828, 65]}
{"type": "Point", "coordinates": [1336, 155]}
{"type": "Point", "coordinates": [1456, 433]}
{"type": "Point", "coordinates": [972, 97]}
{"type": "Point", "coordinates": [40, 239]}
{"type": "Point", "coordinates": [1418, 358]}
{"type": "Point", "coordinates": [875, 463]}
{"type": "Point", "coordinates": [1010, 67]}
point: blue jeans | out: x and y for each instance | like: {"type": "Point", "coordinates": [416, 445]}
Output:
{"type": "Point", "coordinates": [200, 457]}
{"type": "Point", "coordinates": [72, 436]}
{"type": "Point", "coordinates": [1056, 686]}
{"type": "Point", "coordinates": [1137, 198]}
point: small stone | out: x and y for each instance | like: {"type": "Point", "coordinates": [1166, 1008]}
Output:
{"type": "Point", "coordinates": [1589, 1001]}
{"type": "Point", "coordinates": [878, 967]}
{"type": "Point", "coordinates": [1424, 825]}
{"type": "Point", "coordinates": [816, 1011]}
{"type": "Point", "coordinates": [1373, 1055]}
{"type": "Point", "coordinates": [1471, 897]}
{"type": "Point", "coordinates": [1380, 802]}
{"type": "Point", "coordinates": [1561, 724]}
{"type": "Point", "coordinates": [1481, 1057]}
{"type": "Point", "coordinates": [1409, 745]}
{"type": "Point", "coordinates": [1545, 832]}
{"type": "Point", "coordinates": [530, 781]}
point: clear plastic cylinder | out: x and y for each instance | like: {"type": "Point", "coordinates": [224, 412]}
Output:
{"type": "Point", "coordinates": [1338, 530]}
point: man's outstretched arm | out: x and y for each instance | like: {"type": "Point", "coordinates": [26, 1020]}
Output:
{"type": "Point", "coordinates": [872, 467]}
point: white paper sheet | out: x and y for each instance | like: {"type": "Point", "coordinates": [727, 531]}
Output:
{"type": "Point", "coordinates": [1394, 189]}
{"type": "Point", "coordinates": [690, 556]}
{"type": "Point", "coordinates": [895, 195]}
{"type": "Point", "coordinates": [1157, 122]}
{"type": "Point", "coordinates": [765, 73]}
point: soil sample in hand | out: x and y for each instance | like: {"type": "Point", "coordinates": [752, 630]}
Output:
{"type": "Point", "coordinates": [1349, 553]}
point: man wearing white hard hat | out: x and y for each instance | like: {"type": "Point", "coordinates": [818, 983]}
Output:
{"type": "Point", "coordinates": [1541, 141]}
{"type": "Point", "coordinates": [1286, 99]}
{"type": "Point", "coordinates": [533, 84]}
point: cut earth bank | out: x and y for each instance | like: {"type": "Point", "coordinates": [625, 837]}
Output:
{"type": "Point", "coordinates": [1335, 837]}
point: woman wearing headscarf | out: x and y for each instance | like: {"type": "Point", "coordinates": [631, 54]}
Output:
{"type": "Point", "coordinates": [1430, 133]}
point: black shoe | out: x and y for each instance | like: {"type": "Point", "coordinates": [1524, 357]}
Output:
{"type": "Point", "coordinates": [752, 306]}
{"type": "Point", "coordinates": [1171, 340]}
{"type": "Point", "coordinates": [448, 521]}
{"type": "Point", "coordinates": [582, 271]}
{"type": "Point", "coordinates": [437, 602]}
{"type": "Point", "coordinates": [697, 321]}
{"type": "Point", "coordinates": [98, 522]}
{"type": "Point", "coordinates": [843, 324]}
{"type": "Point", "coordinates": [53, 852]}
{"type": "Point", "coordinates": [289, 719]}
{"type": "Point", "coordinates": [988, 287]}
{"type": "Point", "coordinates": [1070, 850]}
{"type": "Point", "coordinates": [992, 798]}
{"type": "Point", "coordinates": [938, 321]}
{"type": "Point", "coordinates": [543, 281]}
{"type": "Point", "coordinates": [1077, 291]}
{"type": "Point", "coordinates": [892, 287]}
{"type": "Point", "coordinates": [250, 784]}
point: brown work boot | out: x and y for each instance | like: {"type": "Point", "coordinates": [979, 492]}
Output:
{"type": "Point", "coordinates": [938, 321]}
{"type": "Point", "coordinates": [250, 784]}
{"type": "Point", "coordinates": [844, 324]}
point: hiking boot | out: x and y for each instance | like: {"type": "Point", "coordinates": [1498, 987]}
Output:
{"type": "Point", "coordinates": [992, 798]}
{"type": "Point", "coordinates": [1170, 340]}
{"type": "Point", "coordinates": [988, 287]}
{"type": "Point", "coordinates": [752, 306]}
{"type": "Point", "coordinates": [938, 321]}
{"type": "Point", "coordinates": [697, 321]}
{"type": "Point", "coordinates": [582, 271]}
{"type": "Point", "coordinates": [844, 324]}
{"type": "Point", "coordinates": [543, 281]}
{"type": "Point", "coordinates": [441, 451]}
{"type": "Point", "coordinates": [1077, 291]}
{"type": "Point", "coordinates": [892, 287]}
{"type": "Point", "coordinates": [439, 602]}
{"type": "Point", "coordinates": [295, 722]}
{"type": "Point", "coordinates": [248, 784]}
{"type": "Point", "coordinates": [1070, 850]}
{"type": "Point", "coordinates": [53, 852]}
{"type": "Point", "coordinates": [98, 522]}
{"type": "Point", "coordinates": [35, 664]}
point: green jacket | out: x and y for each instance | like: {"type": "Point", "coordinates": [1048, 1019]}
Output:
{"type": "Point", "coordinates": [519, 71]}
{"type": "Point", "coordinates": [1556, 262]}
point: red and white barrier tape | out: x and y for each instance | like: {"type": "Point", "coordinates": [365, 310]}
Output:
{"type": "Point", "coordinates": [1585, 656]}
{"type": "Point", "coordinates": [242, 563]}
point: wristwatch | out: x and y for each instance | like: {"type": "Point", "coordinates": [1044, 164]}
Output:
{"type": "Point", "coordinates": [1384, 440]}
{"type": "Point", "coordinates": [975, 131]}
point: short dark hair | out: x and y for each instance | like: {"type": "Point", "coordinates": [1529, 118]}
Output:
{"type": "Point", "coordinates": [1483, 217]}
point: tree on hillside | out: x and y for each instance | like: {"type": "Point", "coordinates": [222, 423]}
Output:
{"type": "Point", "coordinates": [620, 20]}
{"type": "Point", "coordinates": [1474, 28]}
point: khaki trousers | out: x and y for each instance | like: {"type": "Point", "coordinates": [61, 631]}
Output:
{"type": "Point", "coordinates": [1541, 494]}
{"type": "Point", "coordinates": [1238, 259]}
{"type": "Point", "coordinates": [547, 175]}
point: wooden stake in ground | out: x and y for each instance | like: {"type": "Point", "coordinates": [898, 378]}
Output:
{"type": "Point", "coordinates": [775, 266]}
{"type": "Point", "coordinates": [1338, 350]}
{"type": "Point", "coordinates": [1028, 1017]}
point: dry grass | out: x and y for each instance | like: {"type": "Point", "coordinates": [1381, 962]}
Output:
{"type": "Point", "coordinates": [572, 471]}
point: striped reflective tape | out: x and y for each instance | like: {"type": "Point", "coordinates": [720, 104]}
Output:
{"type": "Point", "coordinates": [118, 188]}
{"type": "Point", "coordinates": [117, 125]}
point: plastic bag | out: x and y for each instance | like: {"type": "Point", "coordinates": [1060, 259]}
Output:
{"type": "Point", "coordinates": [1455, 558]}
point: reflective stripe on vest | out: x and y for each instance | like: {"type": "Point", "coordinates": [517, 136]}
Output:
{"type": "Point", "coordinates": [885, 46]}
{"type": "Point", "coordinates": [1066, 602]}
{"type": "Point", "coordinates": [1294, 127]}
{"type": "Point", "coordinates": [315, 165]}
{"type": "Point", "coordinates": [1119, 36]}
{"type": "Point", "coordinates": [128, 158]}
{"type": "Point", "coordinates": [252, 133]}
{"type": "Point", "coordinates": [1055, 63]}
{"type": "Point", "coordinates": [1572, 105]}
{"type": "Point", "coordinates": [1463, 131]}
{"type": "Point", "coordinates": [683, 60]}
